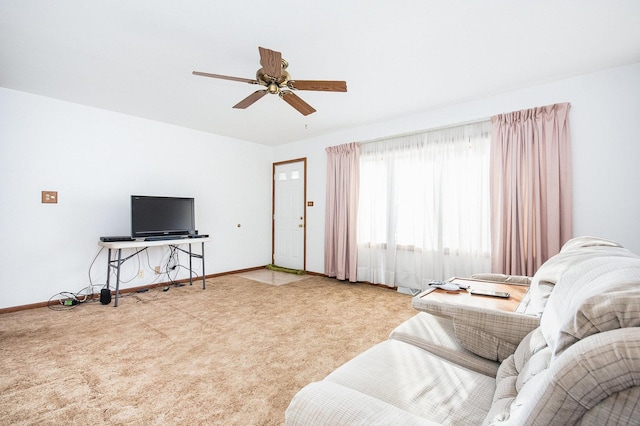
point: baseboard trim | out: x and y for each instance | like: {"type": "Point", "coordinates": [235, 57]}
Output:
{"type": "Point", "coordinates": [135, 289]}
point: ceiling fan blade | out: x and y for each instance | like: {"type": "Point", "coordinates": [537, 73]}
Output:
{"type": "Point", "coordinates": [249, 100]}
{"type": "Point", "coordinates": [296, 102]}
{"type": "Point", "coordinates": [319, 85]}
{"type": "Point", "coordinates": [225, 77]}
{"type": "Point", "coordinates": [271, 62]}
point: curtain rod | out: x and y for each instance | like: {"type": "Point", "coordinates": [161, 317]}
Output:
{"type": "Point", "coordinates": [435, 129]}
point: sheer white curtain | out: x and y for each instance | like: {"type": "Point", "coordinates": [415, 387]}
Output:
{"type": "Point", "coordinates": [424, 206]}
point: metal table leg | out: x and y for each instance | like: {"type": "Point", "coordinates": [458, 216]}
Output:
{"type": "Point", "coordinates": [203, 275]}
{"type": "Point", "coordinates": [118, 277]}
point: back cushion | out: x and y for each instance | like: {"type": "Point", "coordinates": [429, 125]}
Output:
{"type": "Point", "coordinates": [549, 273]}
{"type": "Point", "coordinates": [595, 294]}
{"type": "Point", "coordinates": [587, 241]}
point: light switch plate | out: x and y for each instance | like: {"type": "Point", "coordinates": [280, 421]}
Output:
{"type": "Point", "coordinates": [50, 197]}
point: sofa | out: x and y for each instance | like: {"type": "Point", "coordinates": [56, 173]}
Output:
{"type": "Point", "coordinates": [570, 354]}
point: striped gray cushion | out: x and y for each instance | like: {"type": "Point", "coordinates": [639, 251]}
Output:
{"type": "Point", "coordinates": [595, 295]}
{"type": "Point", "coordinates": [600, 313]}
{"type": "Point", "coordinates": [551, 271]}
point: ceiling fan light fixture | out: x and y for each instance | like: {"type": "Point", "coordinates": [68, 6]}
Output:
{"type": "Point", "coordinates": [273, 88]}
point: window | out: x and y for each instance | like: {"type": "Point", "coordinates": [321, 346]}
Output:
{"type": "Point", "coordinates": [424, 206]}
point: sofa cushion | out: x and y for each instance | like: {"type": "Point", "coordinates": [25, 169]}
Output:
{"type": "Point", "coordinates": [600, 313]}
{"type": "Point", "coordinates": [549, 273]}
{"type": "Point", "coordinates": [595, 295]}
{"type": "Point", "coordinates": [437, 335]}
{"type": "Point", "coordinates": [418, 382]}
{"type": "Point", "coordinates": [327, 403]}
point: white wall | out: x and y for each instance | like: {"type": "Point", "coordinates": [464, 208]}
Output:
{"type": "Point", "coordinates": [96, 159]}
{"type": "Point", "coordinates": [605, 141]}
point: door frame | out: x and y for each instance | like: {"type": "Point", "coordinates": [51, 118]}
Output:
{"type": "Point", "coordinates": [273, 208]}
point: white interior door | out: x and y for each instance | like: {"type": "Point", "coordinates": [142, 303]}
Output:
{"type": "Point", "coordinates": [289, 214]}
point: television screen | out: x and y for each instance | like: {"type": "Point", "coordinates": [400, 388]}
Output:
{"type": "Point", "coordinates": [156, 216]}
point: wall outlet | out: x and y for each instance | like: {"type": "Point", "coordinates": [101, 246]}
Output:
{"type": "Point", "coordinates": [157, 269]}
{"type": "Point", "coordinates": [141, 273]}
{"type": "Point", "coordinates": [50, 197]}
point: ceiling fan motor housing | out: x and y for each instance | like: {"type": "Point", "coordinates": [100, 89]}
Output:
{"type": "Point", "coordinates": [273, 84]}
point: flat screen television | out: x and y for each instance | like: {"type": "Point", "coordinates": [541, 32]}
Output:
{"type": "Point", "coordinates": [158, 216]}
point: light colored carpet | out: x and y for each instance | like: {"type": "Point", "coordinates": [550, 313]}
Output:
{"type": "Point", "coordinates": [235, 353]}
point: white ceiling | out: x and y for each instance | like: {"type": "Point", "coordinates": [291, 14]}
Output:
{"type": "Point", "coordinates": [398, 57]}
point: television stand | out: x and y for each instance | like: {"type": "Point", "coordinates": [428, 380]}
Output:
{"type": "Point", "coordinates": [139, 246]}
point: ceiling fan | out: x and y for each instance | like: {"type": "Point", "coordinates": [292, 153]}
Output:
{"type": "Point", "coordinates": [274, 76]}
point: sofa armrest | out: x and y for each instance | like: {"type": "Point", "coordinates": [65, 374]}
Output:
{"type": "Point", "coordinates": [502, 278]}
{"type": "Point", "coordinates": [489, 333]}
{"type": "Point", "coordinates": [595, 381]}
